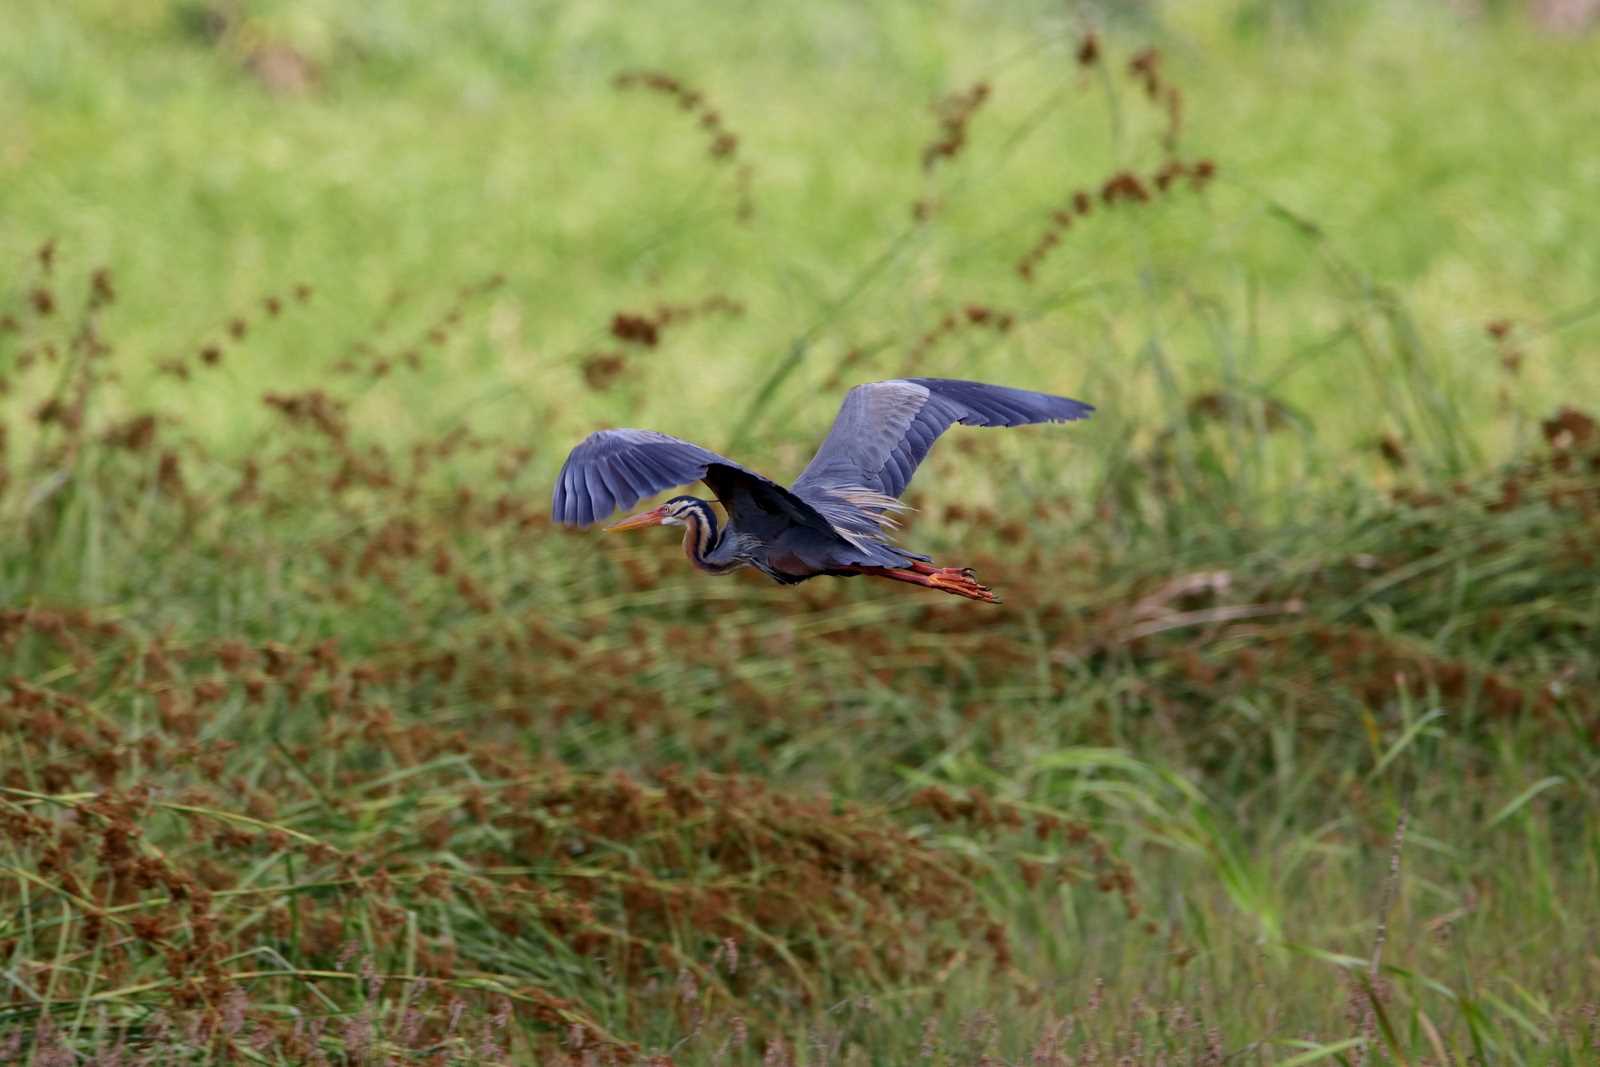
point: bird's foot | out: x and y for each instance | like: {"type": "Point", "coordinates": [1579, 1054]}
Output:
{"type": "Point", "coordinates": [962, 582]}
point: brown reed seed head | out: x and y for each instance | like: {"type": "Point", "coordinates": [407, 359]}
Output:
{"type": "Point", "coordinates": [1088, 53]}
{"type": "Point", "coordinates": [1145, 68]}
{"type": "Point", "coordinates": [645, 328]}
{"type": "Point", "coordinates": [954, 113]}
{"type": "Point", "coordinates": [971, 316]}
{"type": "Point", "coordinates": [723, 144]}
{"type": "Point", "coordinates": [1123, 187]}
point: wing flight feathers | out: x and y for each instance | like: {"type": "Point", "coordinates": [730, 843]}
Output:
{"type": "Point", "coordinates": [884, 430]}
{"type": "Point", "coordinates": [613, 469]}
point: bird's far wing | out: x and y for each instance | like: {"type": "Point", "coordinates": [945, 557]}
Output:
{"type": "Point", "coordinates": [885, 429]}
{"type": "Point", "coordinates": [613, 469]}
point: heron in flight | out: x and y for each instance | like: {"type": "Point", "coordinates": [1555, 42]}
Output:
{"type": "Point", "coordinates": [838, 517]}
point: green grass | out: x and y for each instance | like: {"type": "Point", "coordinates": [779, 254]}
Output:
{"type": "Point", "coordinates": [318, 740]}
{"type": "Point", "coordinates": [1441, 159]}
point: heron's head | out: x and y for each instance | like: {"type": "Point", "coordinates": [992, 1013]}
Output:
{"type": "Point", "coordinates": [675, 512]}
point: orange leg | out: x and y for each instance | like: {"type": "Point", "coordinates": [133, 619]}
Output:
{"type": "Point", "coordinates": [958, 581]}
{"type": "Point", "coordinates": [928, 568]}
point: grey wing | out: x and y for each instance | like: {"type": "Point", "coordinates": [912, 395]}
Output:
{"type": "Point", "coordinates": [884, 430]}
{"type": "Point", "coordinates": [613, 469]}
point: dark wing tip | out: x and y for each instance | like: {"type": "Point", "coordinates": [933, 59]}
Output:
{"type": "Point", "coordinates": [561, 499]}
{"type": "Point", "coordinates": [1073, 410]}
{"type": "Point", "coordinates": [1004, 405]}
{"type": "Point", "coordinates": [572, 501]}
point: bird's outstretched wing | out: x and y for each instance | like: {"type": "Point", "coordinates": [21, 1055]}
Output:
{"type": "Point", "coordinates": [613, 469]}
{"type": "Point", "coordinates": [884, 430]}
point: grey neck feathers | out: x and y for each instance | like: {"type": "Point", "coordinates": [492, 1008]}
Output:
{"type": "Point", "coordinates": [709, 548]}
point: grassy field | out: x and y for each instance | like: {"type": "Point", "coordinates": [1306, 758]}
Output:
{"type": "Point", "coordinates": [319, 744]}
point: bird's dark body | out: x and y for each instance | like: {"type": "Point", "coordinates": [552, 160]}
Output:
{"type": "Point", "coordinates": [836, 518]}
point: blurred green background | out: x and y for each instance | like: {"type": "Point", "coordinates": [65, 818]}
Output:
{"type": "Point", "coordinates": [216, 153]}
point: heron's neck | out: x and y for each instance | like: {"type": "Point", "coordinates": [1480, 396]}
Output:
{"type": "Point", "coordinates": [704, 543]}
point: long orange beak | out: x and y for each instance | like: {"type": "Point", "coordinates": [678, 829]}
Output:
{"type": "Point", "coordinates": [634, 522]}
